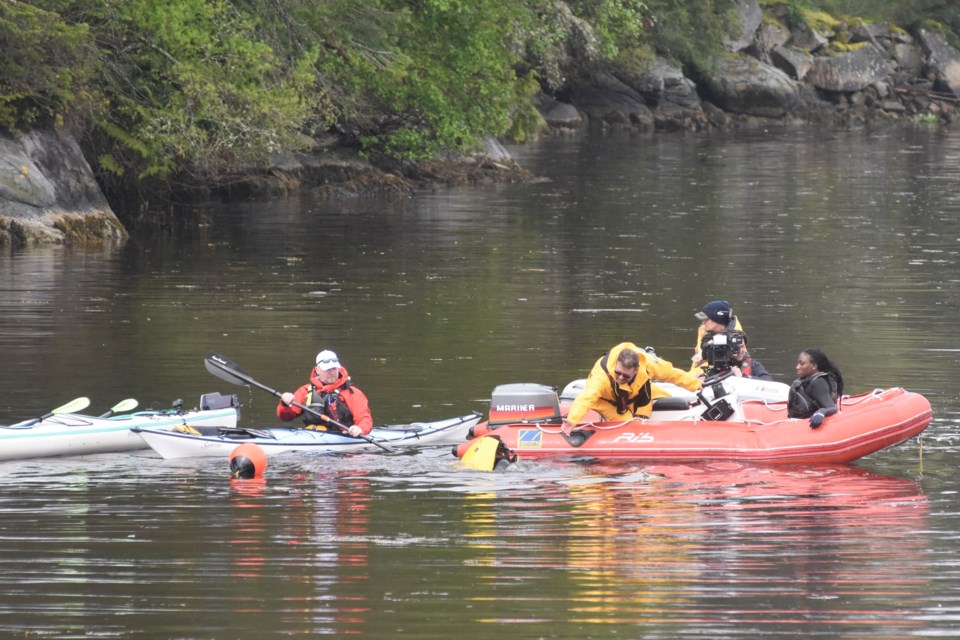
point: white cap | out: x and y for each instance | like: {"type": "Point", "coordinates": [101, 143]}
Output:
{"type": "Point", "coordinates": [327, 359]}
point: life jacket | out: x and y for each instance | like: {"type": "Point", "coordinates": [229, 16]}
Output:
{"type": "Point", "coordinates": [799, 402]}
{"type": "Point", "coordinates": [623, 399]}
{"type": "Point", "coordinates": [328, 403]}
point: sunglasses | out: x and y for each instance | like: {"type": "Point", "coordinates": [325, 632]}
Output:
{"type": "Point", "coordinates": [327, 361]}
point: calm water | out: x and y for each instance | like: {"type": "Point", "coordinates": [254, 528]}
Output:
{"type": "Point", "coordinates": [847, 241]}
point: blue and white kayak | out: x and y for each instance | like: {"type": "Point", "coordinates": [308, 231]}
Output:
{"type": "Point", "coordinates": [221, 441]}
{"type": "Point", "coordinates": [68, 434]}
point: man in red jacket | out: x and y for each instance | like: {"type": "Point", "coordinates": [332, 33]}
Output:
{"type": "Point", "coordinates": [330, 393]}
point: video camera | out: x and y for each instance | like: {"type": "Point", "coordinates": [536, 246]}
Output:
{"type": "Point", "coordinates": [719, 350]}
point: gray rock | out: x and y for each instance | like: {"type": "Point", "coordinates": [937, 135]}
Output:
{"type": "Point", "coordinates": [803, 37]}
{"type": "Point", "coordinates": [942, 59]}
{"type": "Point", "coordinates": [747, 86]}
{"type": "Point", "coordinates": [605, 97]}
{"type": "Point", "coordinates": [681, 92]}
{"type": "Point", "coordinates": [48, 193]}
{"type": "Point", "coordinates": [848, 72]}
{"type": "Point", "coordinates": [864, 32]}
{"type": "Point", "coordinates": [794, 63]}
{"type": "Point", "coordinates": [750, 16]}
{"type": "Point", "coordinates": [662, 84]}
{"type": "Point", "coordinates": [908, 57]}
{"type": "Point", "coordinates": [771, 35]}
{"type": "Point", "coordinates": [495, 151]}
{"type": "Point", "coordinates": [560, 114]}
{"type": "Point", "coordinates": [21, 181]}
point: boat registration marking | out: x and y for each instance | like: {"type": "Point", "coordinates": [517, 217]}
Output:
{"type": "Point", "coordinates": [530, 439]}
{"type": "Point", "coordinates": [634, 437]}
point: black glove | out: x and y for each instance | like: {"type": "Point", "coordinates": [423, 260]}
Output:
{"type": "Point", "coordinates": [816, 419]}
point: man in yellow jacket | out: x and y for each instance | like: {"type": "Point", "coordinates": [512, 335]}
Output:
{"type": "Point", "coordinates": [619, 386]}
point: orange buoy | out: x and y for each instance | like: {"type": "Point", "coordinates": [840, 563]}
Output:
{"type": "Point", "coordinates": [247, 461]}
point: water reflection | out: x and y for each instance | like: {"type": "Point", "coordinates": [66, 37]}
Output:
{"type": "Point", "coordinates": [326, 530]}
{"type": "Point", "coordinates": [693, 545]}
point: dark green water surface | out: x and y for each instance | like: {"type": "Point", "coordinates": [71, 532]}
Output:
{"type": "Point", "coordinates": [846, 241]}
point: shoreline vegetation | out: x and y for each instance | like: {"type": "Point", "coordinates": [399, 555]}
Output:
{"type": "Point", "coordinates": [113, 112]}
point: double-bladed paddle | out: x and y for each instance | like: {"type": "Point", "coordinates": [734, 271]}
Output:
{"type": "Point", "coordinates": [123, 405]}
{"type": "Point", "coordinates": [77, 404]}
{"type": "Point", "coordinates": [230, 371]}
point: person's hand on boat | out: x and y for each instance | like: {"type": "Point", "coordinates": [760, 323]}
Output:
{"type": "Point", "coordinates": [567, 427]}
{"type": "Point", "coordinates": [286, 398]}
{"type": "Point", "coordinates": [817, 419]}
{"type": "Point", "coordinates": [354, 431]}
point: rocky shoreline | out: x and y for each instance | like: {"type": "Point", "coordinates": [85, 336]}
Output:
{"type": "Point", "coordinates": [821, 71]}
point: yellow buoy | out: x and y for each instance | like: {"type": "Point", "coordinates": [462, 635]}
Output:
{"type": "Point", "coordinates": [483, 453]}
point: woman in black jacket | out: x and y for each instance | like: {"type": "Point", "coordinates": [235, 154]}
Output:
{"type": "Point", "coordinates": [818, 388]}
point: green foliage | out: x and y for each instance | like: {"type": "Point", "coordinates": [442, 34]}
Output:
{"type": "Point", "coordinates": [795, 10]}
{"type": "Point", "coordinates": [43, 65]}
{"type": "Point", "coordinates": [165, 87]}
{"type": "Point", "coordinates": [417, 78]}
{"type": "Point", "coordinates": [191, 86]}
{"type": "Point", "coordinates": [692, 32]}
{"type": "Point", "coordinates": [618, 24]}
{"type": "Point", "coordinates": [944, 12]}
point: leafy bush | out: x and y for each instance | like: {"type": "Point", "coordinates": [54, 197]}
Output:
{"type": "Point", "coordinates": [44, 66]}
{"type": "Point", "coordinates": [188, 84]}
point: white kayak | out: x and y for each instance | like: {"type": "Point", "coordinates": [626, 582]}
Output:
{"type": "Point", "coordinates": [65, 434]}
{"type": "Point", "coordinates": [221, 441]}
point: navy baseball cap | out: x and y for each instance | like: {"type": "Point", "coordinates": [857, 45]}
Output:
{"type": "Point", "coordinates": [719, 311]}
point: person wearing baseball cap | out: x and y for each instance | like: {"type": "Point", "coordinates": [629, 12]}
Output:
{"type": "Point", "coordinates": [329, 393]}
{"type": "Point", "coordinates": [715, 316]}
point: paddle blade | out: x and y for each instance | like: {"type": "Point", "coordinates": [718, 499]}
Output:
{"type": "Point", "coordinates": [123, 405]}
{"type": "Point", "coordinates": [75, 405]}
{"type": "Point", "coordinates": [225, 369]}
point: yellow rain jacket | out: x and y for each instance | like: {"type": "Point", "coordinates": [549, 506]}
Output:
{"type": "Point", "coordinates": [622, 402]}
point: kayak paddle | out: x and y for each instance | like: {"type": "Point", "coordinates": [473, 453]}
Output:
{"type": "Point", "coordinates": [230, 371]}
{"type": "Point", "coordinates": [123, 405]}
{"type": "Point", "coordinates": [77, 404]}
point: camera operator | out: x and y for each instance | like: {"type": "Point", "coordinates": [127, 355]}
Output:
{"type": "Point", "coordinates": [715, 317]}
{"type": "Point", "coordinates": [747, 367]}
{"type": "Point", "coordinates": [727, 351]}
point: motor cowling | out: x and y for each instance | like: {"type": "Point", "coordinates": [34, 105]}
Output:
{"type": "Point", "coordinates": [523, 402]}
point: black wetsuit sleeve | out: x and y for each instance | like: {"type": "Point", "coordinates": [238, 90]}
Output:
{"type": "Point", "coordinates": [819, 392]}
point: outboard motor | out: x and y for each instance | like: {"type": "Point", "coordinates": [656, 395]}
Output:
{"type": "Point", "coordinates": [523, 402]}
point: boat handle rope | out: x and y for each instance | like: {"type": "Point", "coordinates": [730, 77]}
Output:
{"type": "Point", "coordinates": [876, 394]}
{"type": "Point", "coordinates": [606, 426]}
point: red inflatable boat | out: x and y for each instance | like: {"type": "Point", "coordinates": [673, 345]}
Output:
{"type": "Point", "coordinates": [525, 423]}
